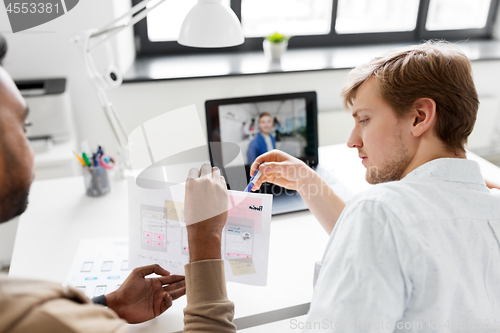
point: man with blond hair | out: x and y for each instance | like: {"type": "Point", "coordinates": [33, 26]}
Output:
{"type": "Point", "coordinates": [420, 251]}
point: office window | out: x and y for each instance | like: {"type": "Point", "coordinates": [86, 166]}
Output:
{"type": "Point", "coordinates": [366, 16]}
{"type": "Point", "coordinates": [317, 23]}
{"type": "Point", "coordinates": [260, 18]}
{"type": "Point", "coordinates": [164, 23]}
{"type": "Point", "coordinates": [457, 14]}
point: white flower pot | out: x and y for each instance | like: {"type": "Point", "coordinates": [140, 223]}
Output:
{"type": "Point", "coordinates": [274, 51]}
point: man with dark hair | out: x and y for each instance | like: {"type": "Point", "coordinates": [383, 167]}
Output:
{"type": "Point", "coordinates": [3, 48]}
{"type": "Point", "coordinates": [36, 306]}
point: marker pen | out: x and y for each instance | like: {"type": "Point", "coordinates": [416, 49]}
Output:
{"type": "Point", "coordinates": [253, 180]}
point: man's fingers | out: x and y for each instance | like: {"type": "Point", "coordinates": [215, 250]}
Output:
{"type": "Point", "coordinates": [175, 294]}
{"type": "Point", "coordinates": [215, 173]}
{"type": "Point", "coordinates": [150, 269]}
{"type": "Point", "coordinates": [273, 167]}
{"type": "Point", "coordinates": [256, 164]}
{"type": "Point", "coordinates": [273, 155]}
{"type": "Point", "coordinates": [223, 183]}
{"type": "Point", "coordinates": [206, 170]}
{"type": "Point", "coordinates": [170, 279]}
{"type": "Point", "coordinates": [175, 286]}
{"type": "Point", "coordinates": [258, 161]}
{"type": "Point", "coordinates": [167, 302]}
{"type": "Point", "coordinates": [193, 174]}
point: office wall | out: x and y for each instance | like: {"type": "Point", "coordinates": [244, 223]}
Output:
{"type": "Point", "coordinates": [46, 52]}
{"type": "Point", "coordinates": [141, 101]}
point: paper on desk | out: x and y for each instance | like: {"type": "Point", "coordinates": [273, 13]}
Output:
{"type": "Point", "coordinates": [100, 266]}
{"type": "Point", "coordinates": [157, 233]}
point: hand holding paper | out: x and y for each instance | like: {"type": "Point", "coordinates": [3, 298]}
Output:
{"type": "Point", "coordinates": [206, 211]}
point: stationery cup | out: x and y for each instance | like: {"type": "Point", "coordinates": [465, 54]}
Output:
{"type": "Point", "coordinates": [96, 181]}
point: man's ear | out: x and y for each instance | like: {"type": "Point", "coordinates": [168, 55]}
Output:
{"type": "Point", "coordinates": [424, 116]}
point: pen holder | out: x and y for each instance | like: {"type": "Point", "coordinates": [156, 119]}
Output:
{"type": "Point", "coordinates": [96, 181]}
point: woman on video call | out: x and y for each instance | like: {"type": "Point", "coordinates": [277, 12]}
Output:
{"type": "Point", "coordinates": [264, 141]}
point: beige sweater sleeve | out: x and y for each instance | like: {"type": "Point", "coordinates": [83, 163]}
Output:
{"type": "Point", "coordinates": [45, 307]}
{"type": "Point", "coordinates": [208, 308]}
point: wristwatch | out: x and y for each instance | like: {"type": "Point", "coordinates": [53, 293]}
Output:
{"type": "Point", "coordinates": [100, 300]}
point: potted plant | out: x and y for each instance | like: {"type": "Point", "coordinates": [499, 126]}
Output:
{"type": "Point", "coordinates": [275, 45]}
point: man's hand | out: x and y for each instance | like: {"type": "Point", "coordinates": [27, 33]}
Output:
{"type": "Point", "coordinates": [205, 210]}
{"type": "Point", "coordinates": [279, 168]}
{"type": "Point", "coordinates": [140, 299]}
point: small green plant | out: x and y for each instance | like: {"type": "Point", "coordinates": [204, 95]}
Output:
{"type": "Point", "coordinates": [277, 38]}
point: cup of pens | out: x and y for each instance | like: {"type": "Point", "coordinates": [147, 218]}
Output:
{"type": "Point", "coordinates": [95, 172]}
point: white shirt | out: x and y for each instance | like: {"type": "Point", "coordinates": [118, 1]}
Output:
{"type": "Point", "coordinates": [269, 142]}
{"type": "Point", "coordinates": [417, 255]}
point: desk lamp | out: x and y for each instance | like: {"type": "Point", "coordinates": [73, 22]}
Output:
{"type": "Point", "coordinates": [208, 24]}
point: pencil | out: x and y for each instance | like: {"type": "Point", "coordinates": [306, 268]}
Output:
{"type": "Point", "coordinates": [79, 158]}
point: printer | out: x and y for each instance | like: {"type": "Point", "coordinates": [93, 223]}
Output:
{"type": "Point", "coordinates": [51, 133]}
{"type": "Point", "coordinates": [50, 112]}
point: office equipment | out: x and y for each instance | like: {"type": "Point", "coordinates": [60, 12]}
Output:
{"type": "Point", "coordinates": [50, 111]}
{"type": "Point", "coordinates": [96, 181]}
{"type": "Point", "coordinates": [253, 180]}
{"type": "Point", "coordinates": [86, 159]}
{"type": "Point", "coordinates": [292, 119]}
{"type": "Point", "coordinates": [51, 133]}
{"type": "Point", "coordinates": [208, 24]}
{"type": "Point", "coordinates": [82, 162]}
{"type": "Point", "coordinates": [107, 162]}
{"type": "Point", "coordinates": [95, 171]}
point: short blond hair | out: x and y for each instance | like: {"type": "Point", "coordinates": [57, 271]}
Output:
{"type": "Point", "coordinates": [435, 70]}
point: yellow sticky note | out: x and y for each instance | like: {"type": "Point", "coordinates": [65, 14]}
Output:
{"type": "Point", "coordinates": [242, 266]}
{"type": "Point", "coordinates": [174, 210]}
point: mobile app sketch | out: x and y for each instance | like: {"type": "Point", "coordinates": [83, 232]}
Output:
{"type": "Point", "coordinates": [239, 241]}
{"type": "Point", "coordinates": [154, 228]}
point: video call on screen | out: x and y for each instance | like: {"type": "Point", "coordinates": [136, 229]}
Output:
{"type": "Point", "coordinates": [261, 126]}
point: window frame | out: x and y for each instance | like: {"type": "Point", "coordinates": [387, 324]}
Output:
{"type": "Point", "coordinates": [145, 48]}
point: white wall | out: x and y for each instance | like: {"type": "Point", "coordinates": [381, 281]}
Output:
{"type": "Point", "coordinates": [45, 51]}
{"type": "Point", "coordinates": [140, 101]}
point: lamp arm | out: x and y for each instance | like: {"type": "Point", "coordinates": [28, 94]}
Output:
{"type": "Point", "coordinates": [113, 28]}
{"type": "Point", "coordinates": [130, 13]}
{"type": "Point", "coordinates": [109, 110]}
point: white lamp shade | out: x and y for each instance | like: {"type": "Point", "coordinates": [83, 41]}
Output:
{"type": "Point", "coordinates": [211, 24]}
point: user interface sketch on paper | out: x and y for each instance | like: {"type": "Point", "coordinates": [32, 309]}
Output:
{"type": "Point", "coordinates": [157, 232]}
{"type": "Point", "coordinates": [100, 266]}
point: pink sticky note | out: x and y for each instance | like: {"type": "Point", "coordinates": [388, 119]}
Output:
{"type": "Point", "coordinates": [148, 241]}
{"type": "Point", "coordinates": [159, 236]}
{"type": "Point", "coordinates": [147, 234]}
{"type": "Point", "coordinates": [159, 243]}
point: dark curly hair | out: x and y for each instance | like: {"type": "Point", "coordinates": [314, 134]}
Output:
{"type": "Point", "coordinates": [3, 48]}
